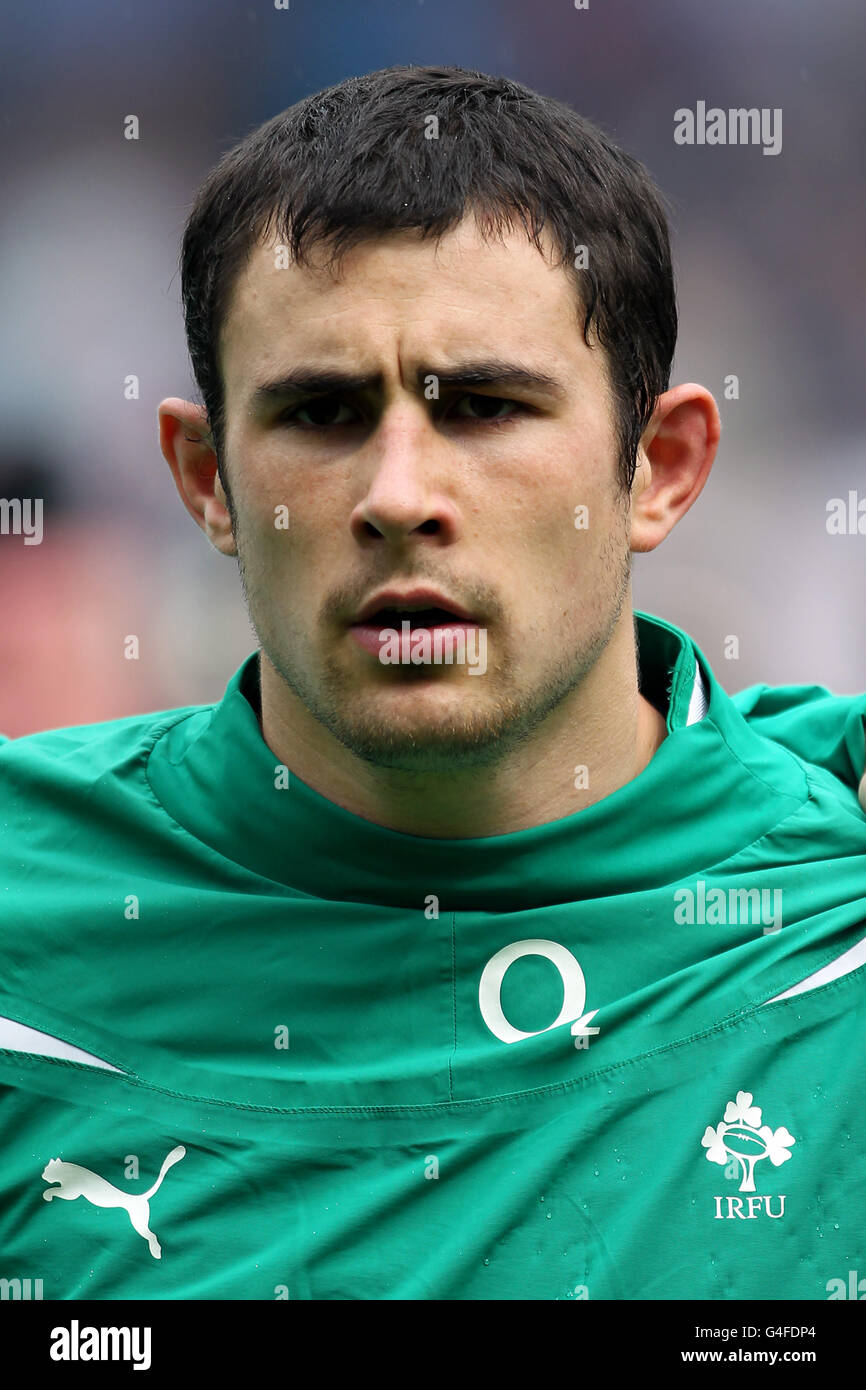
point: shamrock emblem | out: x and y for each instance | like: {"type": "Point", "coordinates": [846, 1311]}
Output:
{"type": "Point", "coordinates": [741, 1135]}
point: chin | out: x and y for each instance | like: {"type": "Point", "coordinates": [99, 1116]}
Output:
{"type": "Point", "coordinates": [451, 737]}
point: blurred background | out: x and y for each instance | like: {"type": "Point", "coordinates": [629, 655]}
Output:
{"type": "Point", "coordinates": [769, 258]}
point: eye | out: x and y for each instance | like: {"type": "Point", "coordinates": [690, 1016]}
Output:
{"type": "Point", "coordinates": [487, 406]}
{"type": "Point", "coordinates": [327, 406]}
{"type": "Point", "coordinates": [324, 412]}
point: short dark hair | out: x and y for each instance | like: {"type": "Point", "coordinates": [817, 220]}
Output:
{"type": "Point", "coordinates": [354, 161]}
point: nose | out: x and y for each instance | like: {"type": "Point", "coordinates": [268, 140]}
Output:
{"type": "Point", "coordinates": [408, 493]}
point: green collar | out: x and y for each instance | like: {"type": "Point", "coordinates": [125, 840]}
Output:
{"type": "Point", "coordinates": [212, 771]}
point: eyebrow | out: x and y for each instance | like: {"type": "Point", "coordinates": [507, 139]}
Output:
{"type": "Point", "coordinates": [489, 372]}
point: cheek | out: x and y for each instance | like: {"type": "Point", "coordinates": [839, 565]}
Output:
{"type": "Point", "coordinates": [271, 504]}
{"type": "Point", "coordinates": [580, 538]}
{"type": "Point", "coordinates": [315, 494]}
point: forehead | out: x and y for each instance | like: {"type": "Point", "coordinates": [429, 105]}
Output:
{"type": "Point", "coordinates": [429, 300]}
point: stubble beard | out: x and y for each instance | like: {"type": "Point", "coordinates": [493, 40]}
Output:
{"type": "Point", "coordinates": [469, 732]}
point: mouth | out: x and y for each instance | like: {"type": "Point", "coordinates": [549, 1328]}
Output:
{"type": "Point", "coordinates": [402, 603]}
{"type": "Point", "coordinates": [416, 617]}
{"type": "Point", "coordinates": [441, 623]}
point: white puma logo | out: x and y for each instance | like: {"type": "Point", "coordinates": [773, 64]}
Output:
{"type": "Point", "coordinates": [80, 1182]}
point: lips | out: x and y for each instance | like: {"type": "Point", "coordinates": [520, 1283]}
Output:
{"type": "Point", "coordinates": [390, 607]}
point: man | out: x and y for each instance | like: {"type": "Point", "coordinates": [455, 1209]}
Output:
{"type": "Point", "coordinates": [477, 944]}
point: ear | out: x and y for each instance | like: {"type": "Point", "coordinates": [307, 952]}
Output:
{"type": "Point", "coordinates": [187, 447]}
{"type": "Point", "coordinates": [674, 460]}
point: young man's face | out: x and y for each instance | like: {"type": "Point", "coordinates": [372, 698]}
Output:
{"type": "Point", "coordinates": [385, 488]}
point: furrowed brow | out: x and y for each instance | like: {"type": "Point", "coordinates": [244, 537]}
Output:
{"type": "Point", "coordinates": [495, 372]}
{"type": "Point", "coordinates": [490, 372]}
{"type": "Point", "coordinates": [304, 382]}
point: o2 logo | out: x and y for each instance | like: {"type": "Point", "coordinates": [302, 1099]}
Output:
{"type": "Point", "coordinates": [573, 984]}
